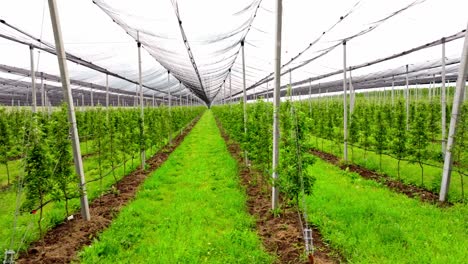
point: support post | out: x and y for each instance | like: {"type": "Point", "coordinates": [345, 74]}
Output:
{"type": "Point", "coordinates": [42, 93]}
{"type": "Point", "coordinates": [290, 86]}
{"type": "Point", "coordinates": [224, 92]}
{"type": "Point", "coordinates": [62, 61]}
{"type": "Point", "coordinates": [443, 103]}
{"type": "Point", "coordinates": [33, 80]}
{"type": "Point", "coordinates": [107, 87]}
{"type": "Point", "coordinates": [457, 103]}
{"type": "Point", "coordinates": [352, 93]}
{"type": "Point", "coordinates": [407, 98]}
{"type": "Point", "coordinates": [230, 88]}
{"type": "Point", "coordinates": [142, 103]}
{"type": "Point", "coordinates": [345, 108]}
{"type": "Point", "coordinates": [310, 98]}
{"type": "Point", "coordinates": [393, 90]}
{"type": "Point", "coordinates": [170, 103]}
{"type": "Point", "coordinates": [245, 99]}
{"type": "Point", "coordinates": [276, 104]}
{"type": "Point", "coordinates": [92, 96]}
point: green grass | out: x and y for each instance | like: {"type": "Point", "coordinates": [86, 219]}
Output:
{"type": "Point", "coordinates": [410, 173]}
{"type": "Point", "coordinates": [15, 167]}
{"type": "Point", "coordinates": [191, 210]}
{"type": "Point", "coordinates": [370, 224]}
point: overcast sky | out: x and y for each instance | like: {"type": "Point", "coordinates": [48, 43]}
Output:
{"type": "Point", "coordinates": [90, 33]}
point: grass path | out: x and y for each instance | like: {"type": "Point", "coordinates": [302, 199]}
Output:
{"type": "Point", "coordinates": [191, 210]}
{"type": "Point", "coordinates": [369, 223]}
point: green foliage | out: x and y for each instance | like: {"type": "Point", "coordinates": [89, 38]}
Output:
{"type": "Point", "coordinates": [380, 135]}
{"type": "Point", "coordinates": [294, 160]}
{"type": "Point", "coordinates": [38, 168]}
{"type": "Point", "coordinates": [398, 133]}
{"type": "Point", "coordinates": [50, 158]}
{"type": "Point", "coordinates": [418, 139]}
{"type": "Point", "coordinates": [5, 143]}
{"type": "Point", "coordinates": [65, 182]}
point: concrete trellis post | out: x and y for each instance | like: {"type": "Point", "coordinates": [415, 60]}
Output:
{"type": "Point", "coordinates": [457, 102]}
{"type": "Point", "coordinates": [393, 90]}
{"type": "Point", "coordinates": [443, 102]}
{"type": "Point", "coordinates": [71, 111]}
{"type": "Point", "coordinates": [276, 103]}
{"type": "Point", "coordinates": [345, 107]}
{"type": "Point", "coordinates": [42, 93]}
{"type": "Point", "coordinates": [33, 80]}
{"type": "Point", "coordinates": [244, 98]}
{"type": "Point", "coordinates": [107, 90]}
{"type": "Point", "coordinates": [407, 98]}
{"type": "Point", "coordinates": [142, 103]}
{"type": "Point", "coordinates": [92, 97]}
{"type": "Point", "coordinates": [310, 97]}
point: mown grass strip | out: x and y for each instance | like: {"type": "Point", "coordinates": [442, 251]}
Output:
{"type": "Point", "coordinates": [370, 224]}
{"type": "Point", "coordinates": [191, 210]}
{"type": "Point", "coordinates": [410, 173]}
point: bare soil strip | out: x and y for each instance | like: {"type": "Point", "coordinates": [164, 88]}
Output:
{"type": "Point", "coordinates": [411, 191]}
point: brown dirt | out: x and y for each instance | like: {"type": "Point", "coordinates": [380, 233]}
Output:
{"type": "Point", "coordinates": [394, 185]}
{"type": "Point", "coordinates": [85, 156]}
{"type": "Point", "coordinates": [5, 187]}
{"type": "Point", "coordinates": [282, 235]}
{"type": "Point", "coordinates": [62, 243]}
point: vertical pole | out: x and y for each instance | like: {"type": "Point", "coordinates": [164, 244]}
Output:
{"type": "Point", "coordinates": [142, 103]}
{"type": "Point", "coordinates": [245, 99]}
{"type": "Point", "coordinates": [230, 88]}
{"type": "Point", "coordinates": [276, 103]}
{"type": "Point", "coordinates": [444, 102]}
{"type": "Point", "coordinates": [33, 79]}
{"type": "Point", "coordinates": [266, 93]}
{"type": "Point", "coordinates": [407, 98]}
{"type": "Point", "coordinates": [345, 108]}
{"type": "Point", "coordinates": [290, 85]}
{"type": "Point", "coordinates": [170, 103]}
{"type": "Point", "coordinates": [107, 87]}
{"type": "Point", "coordinates": [82, 101]}
{"type": "Point", "coordinates": [42, 93]}
{"type": "Point", "coordinates": [92, 96]}
{"type": "Point", "coordinates": [352, 94]}
{"type": "Point", "coordinates": [457, 103]}
{"type": "Point", "coordinates": [71, 111]}
{"type": "Point", "coordinates": [320, 92]}
{"type": "Point", "coordinates": [224, 92]}
{"type": "Point", "coordinates": [310, 97]}
{"type": "Point", "coordinates": [393, 90]}
{"type": "Point", "coordinates": [118, 100]}
{"type": "Point", "coordinates": [153, 99]}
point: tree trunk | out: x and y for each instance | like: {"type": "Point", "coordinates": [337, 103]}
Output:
{"type": "Point", "coordinates": [422, 173]}
{"type": "Point", "coordinates": [380, 161]}
{"type": "Point", "coordinates": [8, 172]}
{"type": "Point", "coordinates": [398, 169]}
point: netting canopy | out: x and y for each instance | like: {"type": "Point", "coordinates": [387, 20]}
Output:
{"type": "Point", "coordinates": [194, 48]}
